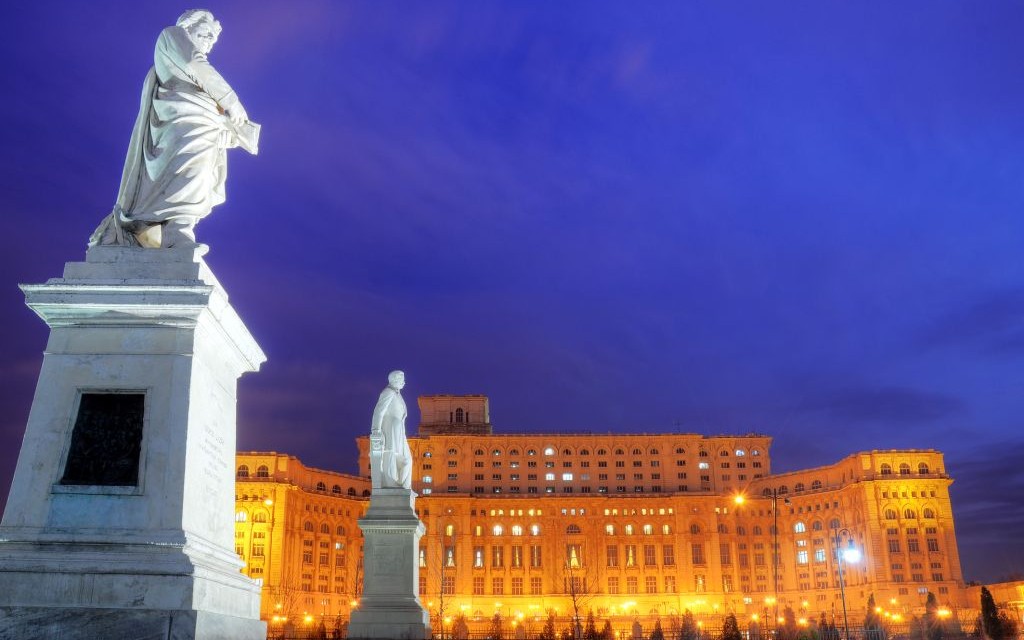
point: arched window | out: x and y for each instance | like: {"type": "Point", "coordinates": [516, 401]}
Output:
{"type": "Point", "coordinates": [815, 485]}
{"type": "Point", "coordinates": [478, 452]}
{"type": "Point", "coordinates": [534, 529]}
{"type": "Point", "coordinates": [572, 529]}
{"type": "Point", "coordinates": [722, 528]}
{"type": "Point", "coordinates": [723, 453]}
{"type": "Point", "coordinates": [517, 530]}
{"type": "Point", "coordinates": [513, 452]}
{"type": "Point", "coordinates": [834, 524]}
{"type": "Point", "coordinates": [680, 451]}
{"type": "Point", "coordinates": [549, 451]}
{"type": "Point", "coordinates": [366, 493]}
{"type": "Point", "coordinates": [652, 452]}
{"type": "Point", "coordinates": [325, 528]}
{"type": "Point", "coordinates": [767, 493]}
{"type": "Point", "coordinates": [637, 452]}
{"type": "Point", "coordinates": [459, 414]}
{"type": "Point", "coordinates": [799, 527]}
{"type": "Point", "coordinates": [241, 516]}
{"type": "Point", "coordinates": [584, 452]}
{"type": "Point", "coordinates": [320, 486]}
{"type": "Point", "coordinates": [648, 529]}
{"type": "Point", "coordinates": [336, 489]}
{"type": "Point", "coordinates": [798, 487]}
{"type": "Point", "coordinates": [566, 452]}
{"type": "Point", "coordinates": [428, 454]}
{"type": "Point", "coordinates": [531, 452]}
{"type": "Point", "coordinates": [620, 452]}
{"type": "Point", "coordinates": [628, 529]}
{"type": "Point", "coordinates": [694, 528]}
{"type": "Point", "coordinates": [449, 530]}
{"type": "Point", "coordinates": [922, 468]}
{"type": "Point", "coordinates": [259, 516]}
{"type": "Point", "coordinates": [341, 530]}
{"type": "Point", "coordinates": [904, 469]}
{"type": "Point", "coordinates": [351, 491]}
{"type": "Point", "coordinates": [243, 471]}
{"type": "Point", "coordinates": [262, 471]}
{"type": "Point", "coordinates": [757, 530]}
{"type": "Point", "coordinates": [885, 469]}
{"type": "Point", "coordinates": [740, 452]}
{"type": "Point", "coordinates": [498, 530]}
{"type": "Point", "coordinates": [496, 452]}
{"type": "Point", "coordinates": [703, 453]}
{"type": "Point", "coordinates": [307, 526]}
{"type": "Point", "coordinates": [666, 529]}
{"type": "Point", "coordinates": [817, 526]}
{"type": "Point", "coordinates": [890, 514]}
{"type": "Point", "coordinates": [602, 452]}
{"type": "Point", "coordinates": [755, 452]}
{"type": "Point", "coordinates": [783, 490]}
{"type": "Point", "coordinates": [741, 530]}
{"type": "Point", "coordinates": [929, 514]}
{"type": "Point", "coordinates": [453, 451]}
{"type": "Point", "coordinates": [609, 529]}
{"type": "Point", "coordinates": [909, 514]}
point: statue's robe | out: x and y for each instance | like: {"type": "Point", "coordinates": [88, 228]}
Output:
{"type": "Point", "coordinates": [177, 159]}
{"type": "Point", "coordinates": [396, 460]}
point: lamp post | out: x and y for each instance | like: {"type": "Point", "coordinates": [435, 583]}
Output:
{"type": "Point", "coordinates": [774, 497]}
{"type": "Point", "coordinates": [850, 554]}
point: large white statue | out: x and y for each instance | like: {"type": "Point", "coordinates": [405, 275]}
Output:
{"type": "Point", "coordinates": [177, 158]}
{"type": "Point", "coordinates": [390, 456]}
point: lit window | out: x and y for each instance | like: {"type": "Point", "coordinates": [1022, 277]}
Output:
{"type": "Point", "coordinates": [549, 477]}
{"type": "Point", "coordinates": [703, 465]}
{"type": "Point", "coordinates": [498, 530]}
{"type": "Point", "coordinates": [799, 527]}
{"type": "Point", "coordinates": [648, 529]}
{"type": "Point", "coordinates": [550, 451]}
{"type": "Point", "coordinates": [609, 529]}
{"type": "Point", "coordinates": [427, 479]}
{"type": "Point", "coordinates": [517, 530]}
{"type": "Point", "coordinates": [566, 477]}
{"type": "Point", "coordinates": [534, 529]}
{"type": "Point", "coordinates": [629, 529]}
{"type": "Point", "coordinates": [741, 452]}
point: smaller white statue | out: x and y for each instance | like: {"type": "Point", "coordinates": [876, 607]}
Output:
{"type": "Point", "coordinates": [390, 457]}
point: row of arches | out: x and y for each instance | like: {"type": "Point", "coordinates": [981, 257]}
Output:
{"type": "Point", "coordinates": [909, 514]}
{"type": "Point", "coordinates": [799, 487]}
{"type": "Point", "coordinates": [904, 468]}
{"type": "Point", "coordinates": [551, 451]}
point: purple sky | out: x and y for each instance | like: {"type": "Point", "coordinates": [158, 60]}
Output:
{"type": "Point", "coordinates": [800, 219]}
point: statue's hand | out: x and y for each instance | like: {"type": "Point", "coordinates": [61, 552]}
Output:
{"type": "Point", "coordinates": [237, 114]}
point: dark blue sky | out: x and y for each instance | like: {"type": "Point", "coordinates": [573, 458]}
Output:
{"type": "Point", "coordinates": [801, 219]}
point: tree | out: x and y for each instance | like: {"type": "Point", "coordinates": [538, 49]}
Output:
{"type": "Point", "coordinates": [549, 629]}
{"type": "Point", "coordinates": [990, 626]}
{"type": "Point", "coordinates": [688, 628]}
{"type": "Point", "coordinates": [873, 629]}
{"type": "Point", "coordinates": [606, 631]}
{"type": "Point", "coordinates": [731, 629]}
{"type": "Point", "coordinates": [495, 633]}
{"type": "Point", "coordinates": [657, 633]}
{"type": "Point", "coordinates": [591, 631]}
{"type": "Point", "coordinates": [788, 630]}
{"type": "Point", "coordinates": [934, 627]}
{"type": "Point", "coordinates": [321, 631]}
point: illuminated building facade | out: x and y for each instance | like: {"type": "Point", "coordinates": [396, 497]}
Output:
{"type": "Point", "coordinates": [621, 524]}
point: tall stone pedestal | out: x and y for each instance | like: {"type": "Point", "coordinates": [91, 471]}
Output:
{"type": "Point", "coordinates": [390, 606]}
{"type": "Point", "coordinates": [120, 522]}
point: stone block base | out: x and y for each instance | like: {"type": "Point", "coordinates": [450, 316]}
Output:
{"type": "Point", "coordinates": [51, 623]}
{"type": "Point", "coordinates": [409, 623]}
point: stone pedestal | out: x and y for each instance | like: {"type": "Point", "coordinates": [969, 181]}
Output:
{"type": "Point", "coordinates": [390, 606]}
{"type": "Point", "coordinates": [120, 520]}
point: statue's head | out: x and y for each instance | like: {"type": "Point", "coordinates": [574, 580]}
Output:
{"type": "Point", "coordinates": [202, 28]}
{"type": "Point", "coordinates": [396, 379]}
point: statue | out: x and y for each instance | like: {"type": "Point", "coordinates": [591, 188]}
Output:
{"type": "Point", "coordinates": [177, 159]}
{"type": "Point", "coordinates": [390, 457]}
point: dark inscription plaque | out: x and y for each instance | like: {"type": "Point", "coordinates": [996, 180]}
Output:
{"type": "Point", "coordinates": [106, 440]}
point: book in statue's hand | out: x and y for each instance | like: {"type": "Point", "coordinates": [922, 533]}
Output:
{"type": "Point", "coordinates": [248, 134]}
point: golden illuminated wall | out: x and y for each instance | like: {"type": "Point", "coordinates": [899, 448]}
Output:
{"type": "Point", "coordinates": [643, 523]}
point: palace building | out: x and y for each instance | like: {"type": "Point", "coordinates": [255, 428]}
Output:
{"type": "Point", "coordinates": [625, 525]}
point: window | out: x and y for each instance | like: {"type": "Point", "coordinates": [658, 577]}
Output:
{"type": "Point", "coordinates": [631, 585]}
{"type": "Point", "coordinates": [497, 556]}
{"type": "Point", "coordinates": [613, 585]}
{"type": "Point", "coordinates": [885, 469]}
{"type": "Point", "coordinates": [799, 527]}
{"type": "Point", "coordinates": [612, 555]}
{"type": "Point", "coordinates": [262, 471]}
{"type": "Point", "coordinates": [651, 584]}
{"type": "Point", "coordinates": [697, 552]}
{"type": "Point", "coordinates": [929, 514]}
{"type": "Point", "coordinates": [243, 471]}
{"type": "Point", "coordinates": [549, 451]}
{"type": "Point", "coordinates": [695, 529]}
{"type": "Point", "coordinates": [801, 556]}
{"type": "Point", "coordinates": [668, 555]}
{"type": "Point", "coordinates": [535, 556]}
{"type": "Point", "coordinates": [909, 514]}
{"type": "Point", "coordinates": [498, 586]}
{"type": "Point", "coordinates": [724, 554]}
{"type": "Point", "coordinates": [630, 555]}
{"type": "Point", "coordinates": [894, 546]}
{"type": "Point", "coordinates": [649, 556]}
{"type": "Point", "coordinates": [798, 487]}
{"type": "Point", "coordinates": [890, 514]}
{"type": "Point", "coordinates": [922, 468]}
{"type": "Point", "coordinates": [498, 530]}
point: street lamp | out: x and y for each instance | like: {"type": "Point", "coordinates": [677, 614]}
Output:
{"type": "Point", "coordinates": [774, 497]}
{"type": "Point", "coordinates": [851, 554]}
